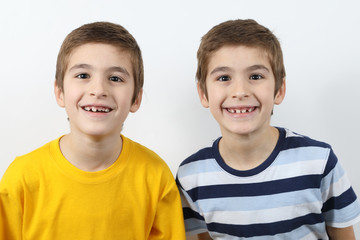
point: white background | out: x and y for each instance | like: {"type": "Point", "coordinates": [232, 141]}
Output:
{"type": "Point", "coordinates": [320, 41]}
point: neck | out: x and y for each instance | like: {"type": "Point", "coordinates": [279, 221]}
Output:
{"type": "Point", "coordinates": [90, 153]}
{"type": "Point", "coordinates": [248, 152]}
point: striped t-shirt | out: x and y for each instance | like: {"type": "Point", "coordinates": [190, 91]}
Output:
{"type": "Point", "coordinates": [294, 194]}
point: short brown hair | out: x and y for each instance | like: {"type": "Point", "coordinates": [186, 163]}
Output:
{"type": "Point", "coordinates": [240, 32]}
{"type": "Point", "coordinates": [101, 32]}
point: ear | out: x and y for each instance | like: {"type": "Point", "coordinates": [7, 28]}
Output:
{"type": "Point", "coordinates": [136, 105]}
{"type": "Point", "coordinates": [59, 94]}
{"type": "Point", "coordinates": [203, 99]}
{"type": "Point", "coordinates": [280, 95]}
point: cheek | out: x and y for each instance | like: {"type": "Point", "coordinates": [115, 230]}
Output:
{"type": "Point", "coordinates": [216, 96]}
{"type": "Point", "coordinates": [215, 103]}
{"type": "Point", "coordinates": [124, 100]}
{"type": "Point", "coordinates": [71, 97]}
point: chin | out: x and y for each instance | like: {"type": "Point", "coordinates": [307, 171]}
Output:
{"type": "Point", "coordinates": [241, 130]}
{"type": "Point", "coordinates": [100, 133]}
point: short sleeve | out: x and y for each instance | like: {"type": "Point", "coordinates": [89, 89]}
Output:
{"type": "Point", "coordinates": [168, 222]}
{"type": "Point", "coordinates": [341, 207]}
{"type": "Point", "coordinates": [11, 195]}
{"type": "Point", "coordinates": [194, 222]}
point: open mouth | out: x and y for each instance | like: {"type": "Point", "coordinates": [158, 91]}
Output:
{"type": "Point", "coordinates": [241, 110]}
{"type": "Point", "coordinates": [97, 109]}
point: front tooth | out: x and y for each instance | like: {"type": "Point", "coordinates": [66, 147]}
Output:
{"type": "Point", "coordinates": [243, 111]}
{"type": "Point", "coordinates": [238, 111]}
{"type": "Point", "coordinates": [93, 109]}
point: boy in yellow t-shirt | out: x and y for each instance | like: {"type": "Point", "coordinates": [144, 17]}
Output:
{"type": "Point", "coordinates": [93, 183]}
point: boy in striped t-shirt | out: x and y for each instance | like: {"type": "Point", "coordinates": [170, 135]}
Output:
{"type": "Point", "coordinates": [257, 181]}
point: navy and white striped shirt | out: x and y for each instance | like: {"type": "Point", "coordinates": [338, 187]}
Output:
{"type": "Point", "coordinates": [294, 194]}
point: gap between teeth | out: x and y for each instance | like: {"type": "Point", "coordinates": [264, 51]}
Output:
{"type": "Point", "coordinates": [241, 110]}
{"type": "Point", "coordinates": [94, 109]}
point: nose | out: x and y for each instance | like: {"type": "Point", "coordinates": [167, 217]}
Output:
{"type": "Point", "coordinates": [240, 89]}
{"type": "Point", "coordinates": [98, 88]}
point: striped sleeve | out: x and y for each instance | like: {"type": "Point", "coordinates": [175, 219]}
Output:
{"type": "Point", "coordinates": [194, 222]}
{"type": "Point", "coordinates": [341, 208]}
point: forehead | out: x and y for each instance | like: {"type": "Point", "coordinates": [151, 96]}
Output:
{"type": "Point", "coordinates": [238, 56]}
{"type": "Point", "coordinates": [100, 55]}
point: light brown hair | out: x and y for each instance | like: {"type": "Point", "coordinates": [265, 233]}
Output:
{"type": "Point", "coordinates": [240, 32]}
{"type": "Point", "coordinates": [101, 32]}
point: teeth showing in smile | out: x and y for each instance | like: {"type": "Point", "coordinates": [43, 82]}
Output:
{"type": "Point", "coordinates": [244, 110]}
{"type": "Point", "coordinates": [97, 109]}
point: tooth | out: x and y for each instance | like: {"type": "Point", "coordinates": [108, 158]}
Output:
{"type": "Point", "coordinates": [87, 109]}
{"type": "Point", "coordinates": [93, 109]}
{"type": "Point", "coordinates": [243, 111]}
{"type": "Point", "coordinates": [107, 110]}
{"type": "Point", "coordinates": [237, 111]}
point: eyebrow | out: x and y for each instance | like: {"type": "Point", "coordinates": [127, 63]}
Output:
{"type": "Point", "coordinates": [111, 69]}
{"type": "Point", "coordinates": [220, 69]}
{"type": "Point", "coordinates": [119, 69]}
{"type": "Point", "coordinates": [249, 69]}
{"type": "Point", "coordinates": [258, 67]}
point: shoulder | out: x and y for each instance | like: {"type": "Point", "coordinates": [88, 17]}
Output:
{"type": "Point", "coordinates": [140, 151]}
{"type": "Point", "coordinates": [298, 148]}
{"type": "Point", "coordinates": [197, 162]}
{"type": "Point", "coordinates": [148, 167]}
{"type": "Point", "coordinates": [34, 158]}
{"type": "Point", "coordinates": [297, 145]}
{"type": "Point", "coordinates": [202, 164]}
{"type": "Point", "coordinates": [296, 140]}
{"type": "Point", "coordinates": [143, 157]}
{"type": "Point", "coordinates": [26, 168]}
{"type": "Point", "coordinates": [202, 154]}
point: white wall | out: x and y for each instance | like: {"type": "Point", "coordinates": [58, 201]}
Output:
{"type": "Point", "coordinates": [320, 41]}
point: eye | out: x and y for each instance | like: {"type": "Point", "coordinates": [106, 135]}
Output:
{"type": "Point", "coordinates": [82, 76]}
{"type": "Point", "coordinates": [115, 79]}
{"type": "Point", "coordinates": [223, 78]}
{"type": "Point", "coordinates": [256, 77]}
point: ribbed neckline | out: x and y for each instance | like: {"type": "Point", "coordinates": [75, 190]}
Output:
{"type": "Point", "coordinates": [256, 170]}
{"type": "Point", "coordinates": [90, 177]}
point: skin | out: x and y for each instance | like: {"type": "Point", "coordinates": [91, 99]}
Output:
{"type": "Point", "coordinates": [98, 77]}
{"type": "Point", "coordinates": [204, 236]}
{"type": "Point", "coordinates": [334, 234]}
{"type": "Point", "coordinates": [240, 78]}
{"type": "Point", "coordinates": [341, 233]}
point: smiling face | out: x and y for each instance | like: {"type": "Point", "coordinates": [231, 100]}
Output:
{"type": "Point", "coordinates": [98, 90]}
{"type": "Point", "coordinates": [240, 90]}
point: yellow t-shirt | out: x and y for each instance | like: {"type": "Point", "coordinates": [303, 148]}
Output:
{"type": "Point", "coordinates": [44, 197]}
